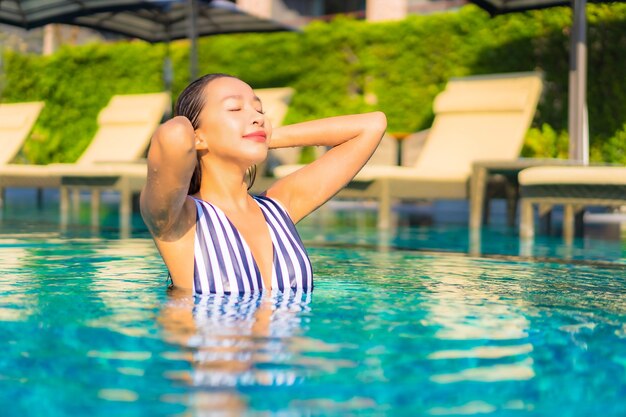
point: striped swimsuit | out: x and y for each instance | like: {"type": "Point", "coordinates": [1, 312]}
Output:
{"type": "Point", "coordinates": [223, 262]}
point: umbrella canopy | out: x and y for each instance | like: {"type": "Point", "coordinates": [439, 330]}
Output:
{"type": "Point", "coordinates": [166, 20]}
{"type": "Point", "coordinates": [578, 126]}
{"type": "Point", "coordinates": [162, 21]}
{"type": "Point", "coordinates": [495, 7]}
{"type": "Point", "coordinates": [150, 20]}
{"type": "Point", "coordinates": [29, 14]}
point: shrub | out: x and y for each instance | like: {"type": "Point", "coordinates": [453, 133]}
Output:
{"type": "Point", "coordinates": [345, 66]}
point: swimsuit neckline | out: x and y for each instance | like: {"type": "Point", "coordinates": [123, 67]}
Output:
{"type": "Point", "coordinates": [245, 243]}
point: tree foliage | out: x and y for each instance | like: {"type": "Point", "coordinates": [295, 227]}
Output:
{"type": "Point", "coordinates": [346, 66]}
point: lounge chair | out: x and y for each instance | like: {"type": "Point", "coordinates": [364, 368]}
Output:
{"type": "Point", "coordinates": [476, 118]}
{"type": "Point", "coordinates": [110, 161]}
{"type": "Point", "coordinates": [16, 122]}
{"type": "Point", "coordinates": [573, 187]}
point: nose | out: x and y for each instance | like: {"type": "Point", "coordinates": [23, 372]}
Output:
{"type": "Point", "coordinates": [258, 119]}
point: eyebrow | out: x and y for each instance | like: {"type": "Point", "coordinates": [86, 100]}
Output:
{"type": "Point", "coordinates": [240, 97]}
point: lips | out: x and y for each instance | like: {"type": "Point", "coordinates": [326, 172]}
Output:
{"type": "Point", "coordinates": [259, 136]}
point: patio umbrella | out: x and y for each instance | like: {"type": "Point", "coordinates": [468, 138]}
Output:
{"type": "Point", "coordinates": [578, 125]}
{"type": "Point", "coordinates": [166, 20]}
{"type": "Point", "coordinates": [30, 14]}
{"type": "Point", "coordinates": [150, 20]}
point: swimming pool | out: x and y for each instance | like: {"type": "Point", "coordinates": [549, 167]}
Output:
{"type": "Point", "coordinates": [88, 329]}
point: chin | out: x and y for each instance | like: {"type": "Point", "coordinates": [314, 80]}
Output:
{"type": "Point", "coordinates": [255, 157]}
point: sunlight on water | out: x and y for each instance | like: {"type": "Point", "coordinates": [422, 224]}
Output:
{"type": "Point", "coordinates": [89, 328]}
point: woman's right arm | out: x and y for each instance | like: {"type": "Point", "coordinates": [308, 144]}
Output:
{"type": "Point", "coordinates": [171, 162]}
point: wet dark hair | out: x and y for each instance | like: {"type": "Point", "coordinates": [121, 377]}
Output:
{"type": "Point", "coordinates": [190, 104]}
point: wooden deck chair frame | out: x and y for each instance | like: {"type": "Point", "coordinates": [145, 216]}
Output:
{"type": "Point", "coordinates": [575, 188]}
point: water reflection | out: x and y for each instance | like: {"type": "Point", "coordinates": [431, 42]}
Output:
{"type": "Point", "coordinates": [15, 304]}
{"type": "Point", "coordinates": [486, 336]}
{"type": "Point", "coordinates": [236, 341]}
{"type": "Point", "coordinates": [121, 276]}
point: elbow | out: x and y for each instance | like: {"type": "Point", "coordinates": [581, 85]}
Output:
{"type": "Point", "coordinates": [175, 137]}
{"type": "Point", "coordinates": [378, 122]}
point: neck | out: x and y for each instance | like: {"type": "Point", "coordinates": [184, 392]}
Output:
{"type": "Point", "coordinates": [224, 183]}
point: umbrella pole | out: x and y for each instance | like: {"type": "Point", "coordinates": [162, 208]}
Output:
{"type": "Point", "coordinates": [578, 125]}
{"type": "Point", "coordinates": [168, 75]}
{"type": "Point", "coordinates": [1, 70]}
{"type": "Point", "coordinates": [193, 37]}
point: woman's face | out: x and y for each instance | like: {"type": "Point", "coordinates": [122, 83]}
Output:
{"type": "Point", "coordinates": [232, 124]}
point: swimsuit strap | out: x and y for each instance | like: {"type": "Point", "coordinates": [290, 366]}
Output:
{"type": "Point", "coordinates": [223, 262]}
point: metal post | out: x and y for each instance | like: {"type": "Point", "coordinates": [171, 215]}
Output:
{"type": "Point", "coordinates": [168, 74]}
{"type": "Point", "coordinates": [578, 125]}
{"type": "Point", "coordinates": [192, 16]}
{"type": "Point", "coordinates": [126, 208]}
{"type": "Point", "coordinates": [168, 67]}
{"type": "Point", "coordinates": [64, 205]}
{"type": "Point", "coordinates": [95, 208]}
{"type": "Point", "coordinates": [2, 76]}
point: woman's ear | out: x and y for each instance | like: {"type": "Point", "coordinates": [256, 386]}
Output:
{"type": "Point", "coordinates": [200, 139]}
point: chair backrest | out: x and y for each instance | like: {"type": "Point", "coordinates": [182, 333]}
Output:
{"type": "Point", "coordinates": [386, 153]}
{"type": "Point", "coordinates": [275, 103]}
{"type": "Point", "coordinates": [480, 118]}
{"type": "Point", "coordinates": [16, 122]}
{"type": "Point", "coordinates": [125, 127]}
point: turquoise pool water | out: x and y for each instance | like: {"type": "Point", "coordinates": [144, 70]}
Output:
{"type": "Point", "coordinates": [88, 328]}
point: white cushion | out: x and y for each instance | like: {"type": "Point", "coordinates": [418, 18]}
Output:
{"type": "Point", "coordinates": [592, 175]}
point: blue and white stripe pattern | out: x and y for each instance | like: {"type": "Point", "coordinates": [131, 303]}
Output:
{"type": "Point", "coordinates": [223, 262]}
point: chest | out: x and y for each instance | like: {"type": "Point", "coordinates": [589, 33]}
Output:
{"type": "Point", "coordinates": [254, 232]}
{"type": "Point", "coordinates": [241, 252]}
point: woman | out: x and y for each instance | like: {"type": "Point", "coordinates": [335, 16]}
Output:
{"type": "Point", "coordinates": [213, 236]}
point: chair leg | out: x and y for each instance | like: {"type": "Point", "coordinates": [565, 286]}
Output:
{"type": "Point", "coordinates": [512, 198]}
{"type": "Point", "coordinates": [568, 223]}
{"type": "Point", "coordinates": [477, 197]}
{"type": "Point", "coordinates": [75, 198]}
{"type": "Point", "coordinates": [2, 197]}
{"type": "Point", "coordinates": [475, 242]}
{"type": "Point", "coordinates": [39, 198]}
{"type": "Point", "coordinates": [64, 205]}
{"type": "Point", "coordinates": [527, 223]}
{"type": "Point", "coordinates": [125, 210]}
{"type": "Point", "coordinates": [384, 207]}
{"type": "Point", "coordinates": [95, 208]}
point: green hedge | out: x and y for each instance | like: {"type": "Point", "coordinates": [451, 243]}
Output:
{"type": "Point", "coordinates": [346, 66]}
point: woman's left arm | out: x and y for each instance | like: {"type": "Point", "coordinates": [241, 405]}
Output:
{"type": "Point", "coordinates": [353, 140]}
